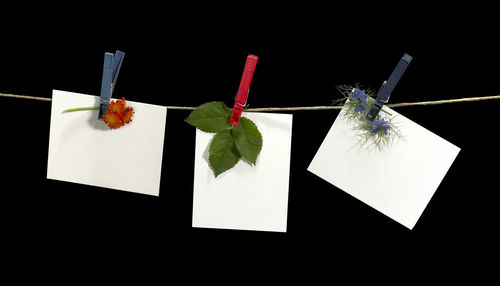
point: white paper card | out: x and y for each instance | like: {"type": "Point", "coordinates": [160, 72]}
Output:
{"type": "Point", "coordinates": [399, 181]}
{"type": "Point", "coordinates": [246, 197]}
{"type": "Point", "coordinates": [85, 150]}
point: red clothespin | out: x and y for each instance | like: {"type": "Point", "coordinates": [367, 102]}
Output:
{"type": "Point", "coordinates": [242, 95]}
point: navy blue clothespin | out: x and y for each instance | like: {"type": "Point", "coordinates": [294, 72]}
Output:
{"type": "Point", "coordinates": [112, 65]}
{"type": "Point", "coordinates": [385, 91]}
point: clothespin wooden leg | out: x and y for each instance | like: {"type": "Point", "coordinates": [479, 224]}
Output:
{"type": "Point", "coordinates": [242, 95]}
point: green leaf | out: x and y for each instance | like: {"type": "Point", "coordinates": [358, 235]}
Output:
{"type": "Point", "coordinates": [222, 152]}
{"type": "Point", "coordinates": [248, 140]}
{"type": "Point", "coordinates": [210, 117]}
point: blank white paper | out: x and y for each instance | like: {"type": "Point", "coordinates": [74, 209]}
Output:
{"type": "Point", "coordinates": [400, 181]}
{"type": "Point", "coordinates": [85, 150]}
{"type": "Point", "coordinates": [246, 197]}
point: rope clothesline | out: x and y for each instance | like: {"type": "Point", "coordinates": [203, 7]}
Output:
{"type": "Point", "coordinates": [299, 108]}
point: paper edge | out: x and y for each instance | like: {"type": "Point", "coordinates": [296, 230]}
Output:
{"type": "Point", "coordinates": [50, 177]}
{"type": "Point", "coordinates": [285, 229]}
{"type": "Point", "coordinates": [456, 152]}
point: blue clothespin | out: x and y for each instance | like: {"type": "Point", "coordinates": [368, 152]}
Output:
{"type": "Point", "coordinates": [385, 91]}
{"type": "Point", "coordinates": [112, 65]}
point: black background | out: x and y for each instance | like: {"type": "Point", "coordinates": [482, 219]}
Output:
{"type": "Point", "coordinates": [191, 55]}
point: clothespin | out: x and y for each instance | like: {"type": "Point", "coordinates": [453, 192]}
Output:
{"type": "Point", "coordinates": [112, 65]}
{"type": "Point", "coordinates": [243, 90]}
{"type": "Point", "coordinates": [385, 91]}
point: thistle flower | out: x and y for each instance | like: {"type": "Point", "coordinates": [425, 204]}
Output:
{"type": "Point", "coordinates": [358, 94]}
{"type": "Point", "coordinates": [380, 125]}
{"type": "Point", "coordinates": [376, 135]}
{"type": "Point", "coordinates": [360, 107]}
{"type": "Point", "coordinates": [358, 98]}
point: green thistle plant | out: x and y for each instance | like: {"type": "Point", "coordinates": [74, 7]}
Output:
{"type": "Point", "coordinates": [374, 135]}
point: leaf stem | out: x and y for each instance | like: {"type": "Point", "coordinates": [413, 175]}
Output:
{"type": "Point", "coordinates": [81, 108]}
{"type": "Point", "coordinates": [387, 112]}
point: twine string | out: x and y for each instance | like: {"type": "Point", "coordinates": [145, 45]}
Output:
{"type": "Point", "coordinates": [301, 108]}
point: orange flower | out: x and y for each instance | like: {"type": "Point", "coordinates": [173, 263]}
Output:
{"type": "Point", "coordinates": [118, 114]}
{"type": "Point", "coordinates": [127, 114]}
{"type": "Point", "coordinates": [113, 119]}
{"type": "Point", "coordinates": [118, 106]}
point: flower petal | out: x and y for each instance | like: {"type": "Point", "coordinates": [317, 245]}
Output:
{"type": "Point", "coordinates": [127, 114]}
{"type": "Point", "coordinates": [113, 119]}
{"type": "Point", "coordinates": [117, 106]}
